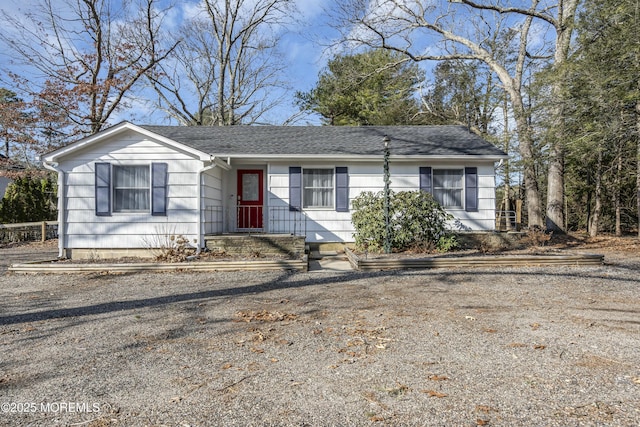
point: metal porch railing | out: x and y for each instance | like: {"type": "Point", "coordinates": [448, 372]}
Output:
{"type": "Point", "coordinates": [254, 219]}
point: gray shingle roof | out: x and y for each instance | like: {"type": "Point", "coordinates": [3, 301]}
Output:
{"type": "Point", "coordinates": [329, 140]}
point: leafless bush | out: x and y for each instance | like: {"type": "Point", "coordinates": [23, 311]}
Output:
{"type": "Point", "coordinates": [169, 246]}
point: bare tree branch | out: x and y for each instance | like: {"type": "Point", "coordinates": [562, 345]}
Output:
{"type": "Point", "coordinates": [506, 10]}
{"type": "Point", "coordinates": [88, 58]}
{"type": "Point", "coordinates": [227, 64]}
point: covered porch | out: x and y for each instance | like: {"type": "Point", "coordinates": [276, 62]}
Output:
{"type": "Point", "coordinates": [255, 219]}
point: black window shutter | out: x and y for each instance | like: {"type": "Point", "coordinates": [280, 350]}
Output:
{"type": "Point", "coordinates": [295, 188]}
{"type": "Point", "coordinates": [103, 189]}
{"type": "Point", "coordinates": [342, 189]}
{"type": "Point", "coordinates": [425, 180]}
{"type": "Point", "coordinates": [471, 189]}
{"type": "Point", "coordinates": [159, 189]}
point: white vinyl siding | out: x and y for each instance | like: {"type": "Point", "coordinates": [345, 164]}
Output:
{"type": "Point", "coordinates": [213, 214]}
{"type": "Point", "coordinates": [85, 230]}
{"type": "Point", "coordinates": [325, 225]}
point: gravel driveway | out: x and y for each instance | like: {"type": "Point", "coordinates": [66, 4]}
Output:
{"type": "Point", "coordinates": [17, 253]}
{"type": "Point", "coordinates": [509, 347]}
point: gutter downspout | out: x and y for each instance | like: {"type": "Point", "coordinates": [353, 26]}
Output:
{"type": "Point", "coordinates": [52, 166]}
{"type": "Point", "coordinates": [212, 160]}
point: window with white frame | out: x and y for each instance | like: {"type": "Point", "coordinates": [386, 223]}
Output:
{"type": "Point", "coordinates": [131, 188]}
{"type": "Point", "coordinates": [448, 187]}
{"type": "Point", "coordinates": [317, 188]}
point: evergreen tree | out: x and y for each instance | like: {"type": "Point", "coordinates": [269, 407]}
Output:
{"type": "Point", "coordinates": [29, 198]}
{"type": "Point", "coordinates": [604, 115]}
{"type": "Point", "coordinates": [376, 87]}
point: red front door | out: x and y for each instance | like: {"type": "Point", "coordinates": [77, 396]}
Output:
{"type": "Point", "coordinates": [250, 198]}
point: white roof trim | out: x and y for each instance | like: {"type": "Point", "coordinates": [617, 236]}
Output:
{"type": "Point", "coordinates": [114, 130]}
{"type": "Point", "coordinates": [368, 158]}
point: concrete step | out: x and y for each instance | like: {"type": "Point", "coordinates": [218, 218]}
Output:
{"type": "Point", "coordinates": [325, 254]}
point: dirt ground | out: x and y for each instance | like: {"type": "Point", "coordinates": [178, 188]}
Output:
{"type": "Point", "coordinates": [483, 346]}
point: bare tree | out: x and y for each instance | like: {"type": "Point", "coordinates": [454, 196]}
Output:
{"type": "Point", "coordinates": [227, 66]}
{"type": "Point", "coordinates": [460, 29]}
{"type": "Point", "coordinates": [87, 55]}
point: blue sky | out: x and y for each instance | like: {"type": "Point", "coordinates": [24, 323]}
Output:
{"type": "Point", "coordinates": [302, 49]}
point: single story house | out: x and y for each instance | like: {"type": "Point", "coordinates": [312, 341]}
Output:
{"type": "Point", "coordinates": [128, 186]}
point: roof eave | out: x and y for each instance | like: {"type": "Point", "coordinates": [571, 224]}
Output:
{"type": "Point", "coordinates": [364, 158]}
{"type": "Point", "coordinates": [56, 155]}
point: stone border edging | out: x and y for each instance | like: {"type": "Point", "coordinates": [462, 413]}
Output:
{"type": "Point", "coordinates": [49, 267]}
{"type": "Point", "coordinates": [475, 261]}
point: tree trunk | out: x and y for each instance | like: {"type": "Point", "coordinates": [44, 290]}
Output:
{"type": "Point", "coordinates": [589, 192]}
{"type": "Point", "coordinates": [637, 65]}
{"type": "Point", "coordinates": [617, 192]}
{"type": "Point", "coordinates": [638, 161]}
{"type": "Point", "coordinates": [555, 183]}
{"type": "Point", "coordinates": [555, 189]}
{"type": "Point", "coordinates": [595, 218]}
{"type": "Point", "coordinates": [507, 171]}
{"type": "Point", "coordinates": [532, 192]}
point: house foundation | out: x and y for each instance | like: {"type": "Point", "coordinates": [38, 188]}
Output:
{"type": "Point", "coordinates": [257, 244]}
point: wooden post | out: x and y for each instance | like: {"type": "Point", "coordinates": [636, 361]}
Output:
{"type": "Point", "coordinates": [44, 231]}
{"type": "Point", "coordinates": [518, 214]}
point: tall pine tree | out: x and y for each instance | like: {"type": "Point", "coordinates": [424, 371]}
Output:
{"type": "Point", "coordinates": [604, 89]}
{"type": "Point", "coordinates": [377, 87]}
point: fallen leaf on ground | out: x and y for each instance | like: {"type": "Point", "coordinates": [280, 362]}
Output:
{"type": "Point", "coordinates": [263, 316]}
{"type": "Point", "coordinates": [516, 344]}
{"type": "Point", "coordinates": [482, 422]}
{"type": "Point", "coordinates": [433, 393]}
{"type": "Point", "coordinates": [485, 409]}
{"type": "Point", "coordinates": [539, 346]}
{"type": "Point", "coordinates": [438, 377]}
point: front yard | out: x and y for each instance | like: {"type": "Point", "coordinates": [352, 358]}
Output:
{"type": "Point", "coordinates": [483, 346]}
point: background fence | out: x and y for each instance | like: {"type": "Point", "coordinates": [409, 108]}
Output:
{"type": "Point", "coordinates": [28, 231]}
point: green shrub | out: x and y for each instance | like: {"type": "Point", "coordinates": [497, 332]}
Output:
{"type": "Point", "coordinates": [417, 222]}
{"type": "Point", "coordinates": [368, 220]}
{"type": "Point", "coordinates": [29, 199]}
